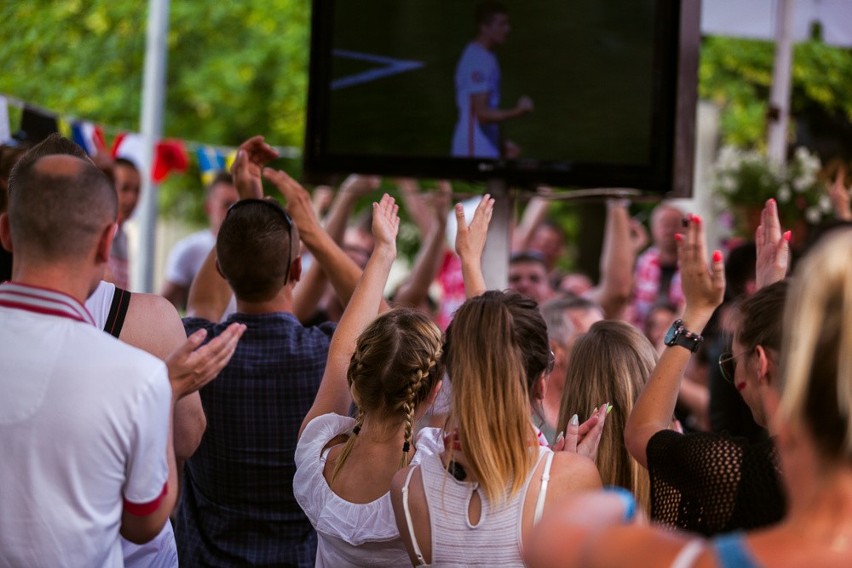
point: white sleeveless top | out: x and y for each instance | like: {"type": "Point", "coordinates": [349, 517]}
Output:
{"type": "Point", "coordinates": [349, 534]}
{"type": "Point", "coordinates": [495, 540]}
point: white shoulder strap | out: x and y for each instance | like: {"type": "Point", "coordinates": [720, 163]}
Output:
{"type": "Point", "coordinates": [542, 493]}
{"type": "Point", "coordinates": [688, 554]}
{"type": "Point", "coordinates": [409, 523]}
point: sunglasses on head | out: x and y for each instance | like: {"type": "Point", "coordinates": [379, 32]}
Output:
{"type": "Point", "coordinates": [280, 211]}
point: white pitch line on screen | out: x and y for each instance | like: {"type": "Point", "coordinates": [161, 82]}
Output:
{"type": "Point", "coordinates": [391, 66]}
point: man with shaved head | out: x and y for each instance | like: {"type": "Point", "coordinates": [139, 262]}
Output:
{"type": "Point", "coordinates": [84, 419]}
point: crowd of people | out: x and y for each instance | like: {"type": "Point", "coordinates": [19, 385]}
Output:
{"type": "Point", "coordinates": [281, 404]}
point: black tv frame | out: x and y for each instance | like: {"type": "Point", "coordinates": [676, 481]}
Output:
{"type": "Point", "coordinates": [669, 172]}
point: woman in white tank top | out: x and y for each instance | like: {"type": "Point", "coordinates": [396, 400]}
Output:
{"type": "Point", "coordinates": [473, 503]}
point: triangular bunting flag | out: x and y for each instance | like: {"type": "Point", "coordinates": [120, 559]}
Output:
{"type": "Point", "coordinates": [210, 162]}
{"type": "Point", "coordinates": [88, 136]}
{"type": "Point", "coordinates": [170, 156]}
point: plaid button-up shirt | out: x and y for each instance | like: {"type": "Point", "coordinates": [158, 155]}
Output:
{"type": "Point", "coordinates": [237, 506]}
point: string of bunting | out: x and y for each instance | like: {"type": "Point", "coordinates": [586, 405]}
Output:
{"type": "Point", "coordinates": [170, 154]}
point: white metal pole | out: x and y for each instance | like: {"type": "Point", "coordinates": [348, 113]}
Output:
{"type": "Point", "coordinates": [153, 89]}
{"type": "Point", "coordinates": [495, 257]}
{"type": "Point", "coordinates": [779, 98]}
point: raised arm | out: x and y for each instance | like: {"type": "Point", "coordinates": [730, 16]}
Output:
{"type": "Point", "coordinates": [703, 290]}
{"type": "Point", "coordinates": [414, 203]}
{"type": "Point", "coordinates": [617, 259]}
{"type": "Point", "coordinates": [470, 242]}
{"type": "Point", "coordinates": [415, 289]}
{"type": "Point", "coordinates": [534, 214]}
{"type": "Point", "coordinates": [333, 394]}
{"type": "Point", "coordinates": [342, 271]}
{"type": "Point", "coordinates": [311, 288]}
{"type": "Point", "coordinates": [209, 293]}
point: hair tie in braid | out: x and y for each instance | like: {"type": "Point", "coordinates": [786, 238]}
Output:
{"type": "Point", "coordinates": [356, 429]}
{"type": "Point", "coordinates": [406, 447]}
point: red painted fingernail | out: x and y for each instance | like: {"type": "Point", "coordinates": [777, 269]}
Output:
{"type": "Point", "coordinates": [698, 219]}
{"type": "Point", "coordinates": [717, 256]}
{"type": "Point", "coordinates": [788, 235]}
{"type": "Point", "coordinates": [772, 201]}
{"type": "Point", "coordinates": [678, 237]}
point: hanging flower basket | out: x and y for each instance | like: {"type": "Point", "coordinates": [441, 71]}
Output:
{"type": "Point", "coordinates": [745, 179]}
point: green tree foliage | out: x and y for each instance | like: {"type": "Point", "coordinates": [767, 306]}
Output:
{"type": "Point", "coordinates": [235, 69]}
{"type": "Point", "coordinates": [737, 75]}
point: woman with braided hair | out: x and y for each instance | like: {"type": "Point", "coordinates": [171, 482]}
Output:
{"type": "Point", "coordinates": [390, 367]}
{"type": "Point", "coordinates": [472, 503]}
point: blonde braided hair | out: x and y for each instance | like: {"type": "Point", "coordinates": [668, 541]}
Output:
{"type": "Point", "coordinates": [396, 363]}
{"type": "Point", "coordinates": [416, 394]}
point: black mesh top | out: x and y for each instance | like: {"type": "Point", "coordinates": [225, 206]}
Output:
{"type": "Point", "coordinates": [712, 483]}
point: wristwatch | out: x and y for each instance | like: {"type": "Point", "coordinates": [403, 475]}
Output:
{"type": "Point", "coordinates": [679, 335]}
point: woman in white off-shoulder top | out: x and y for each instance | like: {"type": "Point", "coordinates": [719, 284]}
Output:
{"type": "Point", "coordinates": [390, 367]}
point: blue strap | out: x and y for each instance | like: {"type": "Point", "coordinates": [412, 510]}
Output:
{"type": "Point", "coordinates": [731, 551]}
{"type": "Point", "coordinates": [627, 499]}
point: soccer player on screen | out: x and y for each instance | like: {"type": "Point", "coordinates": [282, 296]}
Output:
{"type": "Point", "coordinates": [477, 132]}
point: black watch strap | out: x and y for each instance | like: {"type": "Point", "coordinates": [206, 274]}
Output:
{"type": "Point", "coordinates": [679, 335]}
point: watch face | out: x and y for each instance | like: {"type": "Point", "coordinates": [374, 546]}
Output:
{"type": "Point", "coordinates": [671, 334]}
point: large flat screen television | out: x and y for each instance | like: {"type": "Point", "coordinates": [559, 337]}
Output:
{"type": "Point", "coordinates": [575, 93]}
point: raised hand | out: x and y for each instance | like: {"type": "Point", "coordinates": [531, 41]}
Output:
{"type": "Point", "coordinates": [583, 439]}
{"type": "Point", "coordinates": [470, 238]}
{"type": "Point", "coordinates": [358, 185]}
{"type": "Point", "coordinates": [386, 222]}
{"type": "Point", "coordinates": [703, 289]}
{"type": "Point", "coordinates": [525, 104]}
{"type": "Point", "coordinates": [248, 166]}
{"type": "Point", "coordinates": [470, 242]}
{"type": "Point", "coordinates": [191, 367]}
{"type": "Point", "coordinates": [298, 201]}
{"type": "Point", "coordinates": [772, 246]}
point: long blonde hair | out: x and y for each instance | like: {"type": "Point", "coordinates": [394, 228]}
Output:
{"type": "Point", "coordinates": [495, 348]}
{"type": "Point", "coordinates": [816, 364]}
{"type": "Point", "coordinates": [396, 364]}
{"type": "Point", "coordinates": [611, 363]}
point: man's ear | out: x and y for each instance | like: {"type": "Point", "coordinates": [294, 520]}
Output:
{"type": "Point", "coordinates": [295, 270]}
{"type": "Point", "coordinates": [5, 232]}
{"type": "Point", "coordinates": [104, 246]}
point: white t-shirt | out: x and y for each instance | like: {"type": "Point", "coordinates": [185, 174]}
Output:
{"type": "Point", "coordinates": [477, 72]}
{"type": "Point", "coordinates": [187, 256]}
{"type": "Point", "coordinates": [83, 428]}
{"type": "Point", "coordinates": [186, 259]}
{"type": "Point", "coordinates": [349, 534]}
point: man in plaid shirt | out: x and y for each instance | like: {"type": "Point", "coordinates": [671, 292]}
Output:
{"type": "Point", "coordinates": [237, 506]}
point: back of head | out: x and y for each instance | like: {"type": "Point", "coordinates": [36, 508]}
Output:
{"type": "Point", "coordinates": [760, 317]}
{"type": "Point", "coordinates": [487, 9]}
{"type": "Point", "coordinates": [739, 270]}
{"type": "Point", "coordinates": [59, 202]}
{"type": "Point", "coordinates": [256, 244]}
{"type": "Point", "coordinates": [562, 316]}
{"type": "Point", "coordinates": [396, 364]}
{"type": "Point", "coordinates": [816, 372]}
{"type": "Point", "coordinates": [495, 348]}
{"type": "Point", "coordinates": [610, 363]}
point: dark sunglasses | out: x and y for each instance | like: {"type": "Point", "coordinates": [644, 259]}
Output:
{"type": "Point", "coordinates": [280, 211]}
{"type": "Point", "coordinates": [551, 362]}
